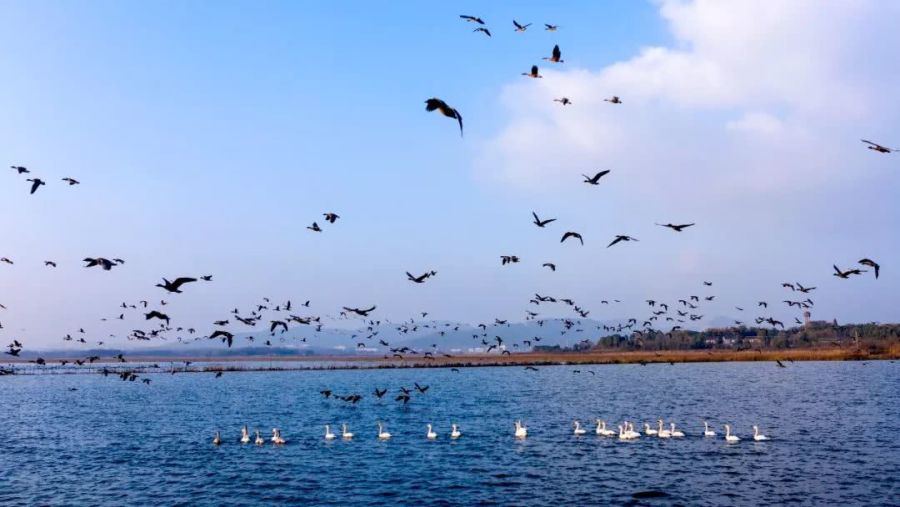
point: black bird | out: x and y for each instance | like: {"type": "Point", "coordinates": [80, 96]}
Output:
{"type": "Point", "coordinates": [218, 374]}
{"type": "Point", "coordinates": [314, 227]}
{"type": "Point", "coordinates": [276, 324]}
{"type": "Point", "coordinates": [551, 28]}
{"type": "Point", "coordinates": [846, 274]}
{"type": "Point", "coordinates": [596, 179]}
{"type": "Point", "coordinates": [361, 313]}
{"type": "Point", "coordinates": [438, 104]}
{"type": "Point", "coordinates": [35, 184]}
{"type": "Point", "coordinates": [326, 393]}
{"type": "Point", "coordinates": [472, 19]}
{"type": "Point", "coordinates": [381, 393]}
{"type": "Point", "coordinates": [534, 73]}
{"type": "Point", "coordinates": [520, 28]}
{"type": "Point", "coordinates": [50, 264]}
{"type": "Point", "coordinates": [549, 265]}
{"type": "Point", "coordinates": [571, 234]}
{"type": "Point", "coordinates": [564, 101]}
{"type": "Point", "coordinates": [541, 223]}
{"type": "Point", "coordinates": [780, 364]}
{"type": "Point", "coordinates": [676, 228]}
{"type": "Point", "coordinates": [483, 30]}
{"type": "Point", "coordinates": [877, 147]}
{"type": "Point", "coordinates": [421, 278]}
{"type": "Point", "coordinates": [872, 264]}
{"type": "Point", "coordinates": [508, 259]}
{"type": "Point", "coordinates": [224, 335]}
{"type": "Point", "coordinates": [206, 278]}
{"type": "Point", "coordinates": [331, 217]}
{"type": "Point", "coordinates": [7, 260]}
{"type": "Point", "coordinates": [20, 169]}
{"type": "Point", "coordinates": [154, 314]}
{"type": "Point", "coordinates": [621, 238]}
{"type": "Point", "coordinates": [106, 264]}
{"type": "Point", "coordinates": [421, 389]}
{"type": "Point", "coordinates": [531, 368]}
{"type": "Point", "coordinates": [613, 100]}
{"type": "Point", "coordinates": [175, 285]}
{"type": "Point", "coordinates": [555, 56]}
{"type": "Point", "coordinates": [71, 181]}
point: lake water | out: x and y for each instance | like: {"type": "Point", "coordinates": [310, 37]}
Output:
{"type": "Point", "coordinates": [835, 429]}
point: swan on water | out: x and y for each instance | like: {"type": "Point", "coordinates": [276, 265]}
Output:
{"type": "Point", "coordinates": [757, 435]}
{"type": "Point", "coordinates": [328, 434]}
{"type": "Point", "coordinates": [663, 433]}
{"type": "Point", "coordinates": [729, 437]}
{"type": "Point", "coordinates": [674, 432]}
{"type": "Point", "coordinates": [649, 431]}
{"type": "Point", "coordinates": [430, 435]}
{"type": "Point", "coordinates": [383, 435]}
{"type": "Point", "coordinates": [602, 430]}
{"type": "Point", "coordinates": [706, 431]}
{"type": "Point", "coordinates": [276, 436]}
{"type": "Point", "coordinates": [217, 439]}
{"type": "Point", "coordinates": [245, 435]}
{"type": "Point", "coordinates": [629, 430]}
{"type": "Point", "coordinates": [346, 435]}
{"type": "Point", "coordinates": [521, 431]}
{"type": "Point", "coordinates": [454, 432]}
{"type": "Point", "coordinates": [259, 439]}
{"type": "Point", "coordinates": [578, 429]}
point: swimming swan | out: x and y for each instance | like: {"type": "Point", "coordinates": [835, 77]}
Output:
{"type": "Point", "coordinates": [602, 430]}
{"type": "Point", "coordinates": [245, 435]}
{"type": "Point", "coordinates": [328, 434]}
{"type": "Point", "coordinates": [729, 437]}
{"type": "Point", "coordinates": [706, 431]}
{"type": "Point", "coordinates": [276, 436]}
{"type": "Point", "coordinates": [454, 433]}
{"type": "Point", "coordinates": [578, 429]}
{"type": "Point", "coordinates": [217, 439]}
{"type": "Point", "coordinates": [383, 435]}
{"type": "Point", "coordinates": [757, 435]}
{"type": "Point", "coordinates": [521, 431]}
{"type": "Point", "coordinates": [662, 433]}
{"type": "Point", "coordinates": [430, 435]}
{"type": "Point", "coordinates": [346, 435]}
{"type": "Point", "coordinates": [629, 430]}
{"type": "Point", "coordinates": [259, 439]}
{"type": "Point", "coordinates": [674, 432]}
{"type": "Point", "coordinates": [649, 431]}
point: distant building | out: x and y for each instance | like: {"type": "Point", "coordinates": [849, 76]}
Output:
{"type": "Point", "coordinates": [806, 318]}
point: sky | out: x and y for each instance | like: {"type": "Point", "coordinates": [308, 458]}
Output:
{"type": "Point", "coordinates": [208, 135]}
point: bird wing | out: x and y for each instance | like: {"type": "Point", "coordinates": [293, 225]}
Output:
{"type": "Point", "coordinates": [618, 239]}
{"type": "Point", "coordinates": [459, 119]}
{"type": "Point", "coordinates": [183, 280]}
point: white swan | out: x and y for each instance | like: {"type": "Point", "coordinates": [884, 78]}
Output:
{"type": "Point", "coordinates": [245, 435]}
{"type": "Point", "coordinates": [625, 433]}
{"type": "Point", "coordinates": [663, 433]}
{"type": "Point", "coordinates": [757, 435]}
{"type": "Point", "coordinates": [259, 439]}
{"type": "Point", "coordinates": [706, 431]}
{"type": "Point", "coordinates": [578, 429]}
{"type": "Point", "coordinates": [276, 436]}
{"type": "Point", "coordinates": [729, 437]}
{"type": "Point", "coordinates": [217, 439]}
{"type": "Point", "coordinates": [382, 435]}
{"type": "Point", "coordinates": [521, 431]}
{"type": "Point", "coordinates": [674, 432]}
{"type": "Point", "coordinates": [454, 433]}
{"type": "Point", "coordinates": [430, 435]}
{"type": "Point", "coordinates": [346, 435]}
{"type": "Point", "coordinates": [328, 434]}
{"type": "Point", "coordinates": [602, 430]}
{"type": "Point", "coordinates": [649, 431]}
{"type": "Point", "coordinates": [629, 430]}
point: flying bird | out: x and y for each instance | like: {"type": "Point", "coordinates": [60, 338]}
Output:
{"type": "Point", "coordinates": [483, 30]}
{"type": "Point", "coordinates": [846, 274]}
{"type": "Point", "coordinates": [551, 28]}
{"type": "Point", "coordinates": [472, 19]}
{"type": "Point", "coordinates": [19, 169]}
{"type": "Point", "coordinates": [879, 148]}
{"type": "Point", "coordinates": [872, 264]}
{"type": "Point", "coordinates": [534, 73]}
{"type": "Point", "coordinates": [571, 234]}
{"type": "Point", "coordinates": [676, 228]}
{"type": "Point", "coordinates": [224, 335]}
{"type": "Point", "coordinates": [35, 184]}
{"type": "Point", "coordinates": [555, 56]}
{"type": "Point", "coordinates": [361, 313]}
{"type": "Point", "coordinates": [541, 223]}
{"type": "Point", "coordinates": [508, 259]}
{"type": "Point", "coordinates": [71, 181]}
{"type": "Point", "coordinates": [520, 28]}
{"type": "Point", "coordinates": [549, 265]}
{"type": "Point", "coordinates": [175, 285]}
{"type": "Point", "coordinates": [438, 104]}
{"type": "Point", "coordinates": [620, 238]}
{"type": "Point", "coordinates": [106, 264]}
{"type": "Point", "coordinates": [330, 217]}
{"type": "Point", "coordinates": [154, 314]}
{"type": "Point", "coordinates": [613, 100]}
{"type": "Point", "coordinates": [596, 179]}
{"type": "Point", "coordinates": [564, 101]}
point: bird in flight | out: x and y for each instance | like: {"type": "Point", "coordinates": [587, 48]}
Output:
{"type": "Point", "coordinates": [35, 184]}
{"type": "Point", "coordinates": [421, 278]}
{"type": "Point", "coordinates": [508, 259]}
{"type": "Point", "coordinates": [520, 28]}
{"type": "Point", "coordinates": [613, 100]}
{"type": "Point", "coordinates": [154, 314]}
{"type": "Point", "coordinates": [19, 169]}
{"type": "Point", "coordinates": [551, 28]}
{"type": "Point", "coordinates": [206, 278]}
{"type": "Point", "coordinates": [472, 19]}
{"type": "Point", "coordinates": [555, 56]}
{"type": "Point", "coordinates": [620, 238]}
{"type": "Point", "coordinates": [571, 234]}
{"type": "Point", "coordinates": [106, 264]}
{"type": "Point", "coordinates": [438, 104]}
{"type": "Point", "coordinates": [534, 73]}
{"type": "Point", "coordinates": [314, 227]}
{"type": "Point", "coordinates": [71, 181]}
{"type": "Point", "coordinates": [676, 228]}
{"type": "Point", "coordinates": [224, 335]}
{"type": "Point", "coordinates": [872, 264]}
{"type": "Point", "coordinates": [483, 30]}
{"type": "Point", "coordinates": [331, 217]}
{"type": "Point", "coordinates": [846, 274]}
{"type": "Point", "coordinates": [879, 148]}
{"type": "Point", "coordinates": [50, 264]}
{"type": "Point", "coordinates": [596, 179]}
{"type": "Point", "coordinates": [175, 285]}
{"type": "Point", "coordinates": [564, 101]}
{"type": "Point", "coordinates": [361, 313]}
{"type": "Point", "coordinates": [541, 223]}
{"type": "Point", "coordinates": [549, 265]}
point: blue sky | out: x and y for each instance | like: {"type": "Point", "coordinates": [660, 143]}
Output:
{"type": "Point", "coordinates": [207, 136]}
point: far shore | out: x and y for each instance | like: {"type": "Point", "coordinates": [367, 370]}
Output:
{"type": "Point", "coordinates": [236, 363]}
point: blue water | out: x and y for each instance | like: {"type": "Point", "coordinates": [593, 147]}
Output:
{"type": "Point", "coordinates": [835, 431]}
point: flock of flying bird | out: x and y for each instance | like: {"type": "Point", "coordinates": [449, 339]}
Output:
{"type": "Point", "coordinates": [282, 317]}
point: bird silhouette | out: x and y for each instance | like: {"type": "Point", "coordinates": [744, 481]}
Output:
{"type": "Point", "coordinates": [520, 27]}
{"type": "Point", "coordinates": [571, 234]}
{"type": "Point", "coordinates": [872, 264]}
{"type": "Point", "coordinates": [595, 180]}
{"type": "Point", "coordinates": [472, 19]}
{"type": "Point", "coordinates": [541, 223]}
{"type": "Point", "coordinates": [483, 30]}
{"type": "Point", "coordinates": [175, 285]}
{"type": "Point", "coordinates": [534, 73]}
{"type": "Point", "coordinates": [676, 228]}
{"type": "Point", "coordinates": [35, 184]}
{"type": "Point", "coordinates": [555, 56]}
{"type": "Point", "coordinates": [620, 238]}
{"type": "Point", "coordinates": [433, 104]}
